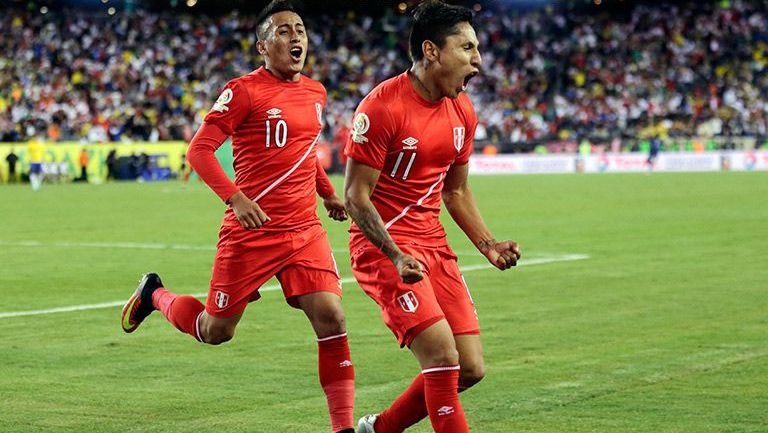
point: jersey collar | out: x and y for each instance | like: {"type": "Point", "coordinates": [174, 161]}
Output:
{"type": "Point", "coordinates": [411, 90]}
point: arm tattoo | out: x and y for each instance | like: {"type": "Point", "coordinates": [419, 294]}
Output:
{"type": "Point", "coordinates": [372, 226]}
{"type": "Point", "coordinates": [485, 245]}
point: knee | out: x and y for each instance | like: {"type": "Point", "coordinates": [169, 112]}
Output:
{"type": "Point", "coordinates": [443, 355]}
{"type": "Point", "coordinates": [330, 322]}
{"type": "Point", "coordinates": [469, 375]}
{"type": "Point", "coordinates": [335, 317]}
{"type": "Point", "coordinates": [435, 346]}
{"type": "Point", "coordinates": [218, 335]}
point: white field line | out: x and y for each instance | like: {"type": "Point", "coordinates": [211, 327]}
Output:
{"type": "Point", "coordinates": [346, 280]}
{"type": "Point", "coordinates": [156, 246]}
{"type": "Point", "coordinates": [110, 245]}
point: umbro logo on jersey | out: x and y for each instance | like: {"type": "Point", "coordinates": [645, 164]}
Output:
{"type": "Point", "coordinates": [274, 113]}
{"type": "Point", "coordinates": [410, 143]}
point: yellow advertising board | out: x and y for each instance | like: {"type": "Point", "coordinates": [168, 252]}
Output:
{"type": "Point", "coordinates": [168, 154]}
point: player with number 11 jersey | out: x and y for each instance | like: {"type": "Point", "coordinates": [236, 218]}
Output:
{"type": "Point", "coordinates": [409, 150]}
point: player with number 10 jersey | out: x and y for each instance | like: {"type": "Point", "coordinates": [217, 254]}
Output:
{"type": "Point", "coordinates": [260, 112]}
{"type": "Point", "coordinates": [270, 229]}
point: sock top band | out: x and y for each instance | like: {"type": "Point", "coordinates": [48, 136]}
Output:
{"type": "Point", "coordinates": [440, 368]}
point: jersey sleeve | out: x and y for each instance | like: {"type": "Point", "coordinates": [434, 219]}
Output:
{"type": "Point", "coordinates": [232, 107]}
{"type": "Point", "coordinates": [201, 157]}
{"type": "Point", "coordinates": [469, 137]}
{"type": "Point", "coordinates": [373, 128]}
{"type": "Point", "coordinates": [322, 183]}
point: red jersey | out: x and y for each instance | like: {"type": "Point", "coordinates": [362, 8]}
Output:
{"type": "Point", "coordinates": [275, 126]}
{"type": "Point", "coordinates": [413, 142]}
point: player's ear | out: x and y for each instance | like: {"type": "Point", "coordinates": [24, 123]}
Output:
{"type": "Point", "coordinates": [261, 47]}
{"type": "Point", "coordinates": [430, 50]}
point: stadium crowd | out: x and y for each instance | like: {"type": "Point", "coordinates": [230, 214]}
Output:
{"type": "Point", "coordinates": [550, 75]}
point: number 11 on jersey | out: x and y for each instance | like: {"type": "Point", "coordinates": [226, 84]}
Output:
{"type": "Point", "coordinates": [407, 168]}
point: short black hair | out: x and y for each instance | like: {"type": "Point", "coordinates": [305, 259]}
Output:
{"type": "Point", "coordinates": [434, 20]}
{"type": "Point", "coordinates": [274, 7]}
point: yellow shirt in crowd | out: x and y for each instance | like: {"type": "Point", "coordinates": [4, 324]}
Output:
{"type": "Point", "coordinates": [36, 150]}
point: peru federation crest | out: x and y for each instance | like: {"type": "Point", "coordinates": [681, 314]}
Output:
{"type": "Point", "coordinates": [221, 299]}
{"type": "Point", "coordinates": [408, 302]}
{"type": "Point", "coordinates": [319, 111]}
{"type": "Point", "coordinates": [458, 138]}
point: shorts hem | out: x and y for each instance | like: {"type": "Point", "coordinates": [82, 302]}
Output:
{"type": "Point", "coordinates": [474, 332]}
{"type": "Point", "coordinates": [293, 301]}
{"type": "Point", "coordinates": [230, 311]}
{"type": "Point", "coordinates": [414, 332]}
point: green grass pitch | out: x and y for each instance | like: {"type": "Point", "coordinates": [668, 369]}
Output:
{"type": "Point", "coordinates": [664, 328]}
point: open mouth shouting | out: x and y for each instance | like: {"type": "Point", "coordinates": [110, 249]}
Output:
{"type": "Point", "coordinates": [296, 53]}
{"type": "Point", "coordinates": [467, 78]}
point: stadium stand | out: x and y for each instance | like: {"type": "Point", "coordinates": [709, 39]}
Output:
{"type": "Point", "coordinates": [551, 76]}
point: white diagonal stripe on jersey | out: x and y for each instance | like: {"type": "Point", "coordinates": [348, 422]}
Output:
{"type": "Point", "coordinates": [418, 203]}
{"type": "Point", "coordinates": [289, 172]}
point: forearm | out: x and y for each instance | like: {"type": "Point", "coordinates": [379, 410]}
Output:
{"type": "Point", "coordinates": [367, 218]}
{"type": "Point", "coordinates": [324, 186]}
{"type": "Point", "coordinates": [202, 158]}
{"type": "Point", "coordinates": [463, 209]}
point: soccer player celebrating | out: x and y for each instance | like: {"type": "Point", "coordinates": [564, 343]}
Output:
{"type": "Point", "coordinates": [409, 146]}
{"type": "Point", "coordinates": [274, 116]}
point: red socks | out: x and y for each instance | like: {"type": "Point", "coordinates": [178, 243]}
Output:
{"type": "Point", "coordinates": [433, 393]}
{"type": "Point", "coordinates": [182, 311]}
{"type": "Point", "coordinates": [408, 409]}
{"type": "Point", "coordinates": [337, 377]}
{"type": "Point", "coordinates": [442, 397]}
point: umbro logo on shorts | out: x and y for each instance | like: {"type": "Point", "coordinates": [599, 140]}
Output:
{"type": "Point", "coordinates": [408, 302]}
{"type": "Point", "coordinates": [221, 299]}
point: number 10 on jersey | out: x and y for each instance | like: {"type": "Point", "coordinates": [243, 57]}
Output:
{"type": "Point", "coordinates": [281, 132]}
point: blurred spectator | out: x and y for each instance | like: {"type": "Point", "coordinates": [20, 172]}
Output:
{"type": "Point", "coordinates": [12, 159]}
{"type": "Point", "coordinates": [36, 153]}
{"type": "Point", "coordinates": [84, 159]}
{"type": "Point", "coordinates": [550, 75]}
{"type": "Point", "coordinates": [111, 162]}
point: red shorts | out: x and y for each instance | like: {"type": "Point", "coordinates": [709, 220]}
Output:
{"type": "Point", "coordinates": [408, 309]}
{"type": "Point", "coordinates": [245, 259]}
